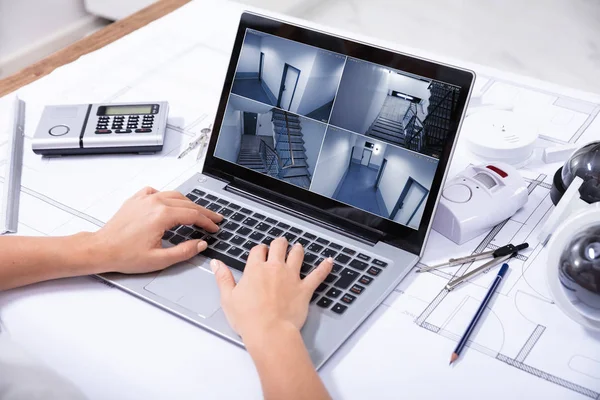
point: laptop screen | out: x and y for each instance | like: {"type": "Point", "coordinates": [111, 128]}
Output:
{"type": "Point", "coordinates": [363, 134]}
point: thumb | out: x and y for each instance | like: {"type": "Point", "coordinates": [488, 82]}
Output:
{"type": "Point", "coordinates": [223, 276]}
{"type": "Point", "coordinates": [318, 275]}
{"type": "Point", "coordinates": [183, 251]}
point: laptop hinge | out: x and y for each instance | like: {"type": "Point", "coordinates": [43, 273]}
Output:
{"type": "Point", "coordinates": [369, 237]}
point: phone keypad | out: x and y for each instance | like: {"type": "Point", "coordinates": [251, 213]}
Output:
{"type": "Point", "coordinates": [123, 124]}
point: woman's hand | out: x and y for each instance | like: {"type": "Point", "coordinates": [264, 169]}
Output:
{"type": "Point", "coordinates": [267, 308]}
{"type": "Point", "coordinates": [131, 241]}
{"type": "Point", "coordinates": [270, 292]}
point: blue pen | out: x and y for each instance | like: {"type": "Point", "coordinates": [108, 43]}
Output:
{"type": "Point", "coordinates": [479, 313]}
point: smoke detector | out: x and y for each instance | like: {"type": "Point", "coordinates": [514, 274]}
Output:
{"type": "Point", "coordinates": [498, 135]}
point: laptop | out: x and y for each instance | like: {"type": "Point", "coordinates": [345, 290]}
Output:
{"type": "Point", "coordinates": [338, 145]}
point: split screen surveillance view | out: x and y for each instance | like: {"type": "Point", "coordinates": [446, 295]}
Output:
{"type": "Point", "coordinates": [351, 130]}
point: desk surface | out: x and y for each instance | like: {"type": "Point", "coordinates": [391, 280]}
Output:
{"type": "Point", "coordinates": [112, 345]}
{"type": "Point", "coordinates": [88, 44]}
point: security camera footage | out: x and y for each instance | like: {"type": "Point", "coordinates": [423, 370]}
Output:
{"type": "Point", "coordinates": [351, 130]}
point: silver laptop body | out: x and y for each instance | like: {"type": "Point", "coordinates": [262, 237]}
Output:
{"type": "Point", "coordinates": [265, 169]}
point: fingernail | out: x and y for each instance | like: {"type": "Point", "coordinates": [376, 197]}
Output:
{"type": "Point", "coordinates": [330, 260]}
{"type": "Point", "coordinates": [297, 245]}
{"type": "Point", "coordinates": [202, 245]}
{"type": "Point", "coordinates": [215, 265]}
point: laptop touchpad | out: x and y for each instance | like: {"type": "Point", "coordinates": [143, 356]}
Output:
{"type": "Point", "coordinates": [189, 286]}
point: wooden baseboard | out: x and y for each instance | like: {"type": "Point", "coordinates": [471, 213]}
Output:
{"type": "Point", "coordinates": [88, 44]}
{"type": "Point", "coordinates": [50, 44]}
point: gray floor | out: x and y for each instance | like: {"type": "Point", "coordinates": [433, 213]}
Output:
{"type": "Point", "coordinates": [358, 189]}
{"type": "Point", "coordinates": [252, 89]}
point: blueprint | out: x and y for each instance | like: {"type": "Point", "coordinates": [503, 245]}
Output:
{"type": "Point", "coordinates": [525, 335]}
{"type": "Point", "coordinates": [79, 195]}
{"type": "Point", "coordinates": [524, 329]}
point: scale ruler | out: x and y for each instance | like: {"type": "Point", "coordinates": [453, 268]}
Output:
{"type": "Point", "coordinates": [11, 191]}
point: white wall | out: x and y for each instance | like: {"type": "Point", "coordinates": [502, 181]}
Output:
{"type": "Point", "coordinates": [33, 29]}
{"type": "Point", "coordinates": [411, 86]}
{"type": "Point", "coordinates": [379, 155]}
{"type": "Point", "coordinates": [402, 164]}
{"type": "Point", "coordinates": [243, 104]}
{"type": "Point", "coordinates": [20, 26]}
{"type": "Point", "coordinates": [333, 161]}
{"type": "Point", "coordinates": [357, 153]}
{"type": "Point", "coordinates": [323, 82]}
{"type": "Point", "coordinates": [408, 85]}
{"type": "Point", "coordinates": [416, 219]}
{"type": "Point", "coordinates": [277, 53]}
{"type": "Point", "coordinates": [250, 55]}
{"type": "Point", "coordinates": [116, 9]}
{"type": "Point", "coordinates": [313, 133]}
{"type": "Point", "coordinates": [376, 159]}
{"type": "Point", "coordinates": [378, 88]}
{"type": "Point", "coordinates": [362, 91]}
{"type": "Point", "coordinates": [230, 137]}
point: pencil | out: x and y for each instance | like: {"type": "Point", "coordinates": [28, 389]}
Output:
{"type": "Point", "coordinates": [479, 313]}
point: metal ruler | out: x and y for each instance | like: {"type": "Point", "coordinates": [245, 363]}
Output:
{"type": "Point", "coordinates": [11, 190]}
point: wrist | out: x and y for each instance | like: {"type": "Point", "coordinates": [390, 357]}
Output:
{"type": "Point", "coordinates": [90, 256]}
{"type": "Point", "coordinates": [262, 336]}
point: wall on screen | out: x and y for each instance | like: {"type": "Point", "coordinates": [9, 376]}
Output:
{"type": "Point", "coordinates": [322, 83]}
{"type": "Point", "coordinates": [333, 161]}
{"type": "Point", "coordinates": [250, 55]}
{"type": "Point", "coordinates": [402, 164]}
{"type": "Point", "coordinates": [362, 91]}
{"type": "Point", "coordinates": [230, 137]}
{"type": "Point", "coordinates": [278, 52]}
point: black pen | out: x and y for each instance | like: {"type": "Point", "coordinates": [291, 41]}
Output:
{"type": "Point", "coordinates": [479, 313]}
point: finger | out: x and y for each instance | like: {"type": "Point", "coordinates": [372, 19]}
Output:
{"type": "Point", "coordinates": [171, 194]}
{"type": "Point", "coordinates": [183, 251]}
{"type": "Point", "coordinates": [224, 278]}
{"type": "Point", "coordinates": [318, 275]}
{"type": "Point", "coordinates": [258, 254]}
{"type": "Point", "coordinates": [295, 256]}
{"type": "Point", "coordinates": [173, 216]}
{"type": "Point", "coordinates": [186, 203]}
{"type": "Point", "coordinates": [278, 249]}
{"type": "Point", "coordinates": [145, 192]}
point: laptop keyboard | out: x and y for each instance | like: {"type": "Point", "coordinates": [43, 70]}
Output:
{"type": "Point", "coordinates": [242, 229]}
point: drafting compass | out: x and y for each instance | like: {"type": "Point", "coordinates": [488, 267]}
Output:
{"type": "Point", "coordinates": [201, 140]}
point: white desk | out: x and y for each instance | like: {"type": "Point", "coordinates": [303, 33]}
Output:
{"type": "Point", "coordinates": [114, 346]}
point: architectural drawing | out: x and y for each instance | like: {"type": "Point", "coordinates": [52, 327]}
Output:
{"type": "Point", "coordinates": [523, 328]}
{"type": "Point", "coordinates": [93, 191]}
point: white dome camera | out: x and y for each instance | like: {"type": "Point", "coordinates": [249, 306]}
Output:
{"type": "Point", "coordinates": [573, 267]}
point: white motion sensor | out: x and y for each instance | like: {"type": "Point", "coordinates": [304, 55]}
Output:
{"type": "Point", "coordinates": [477, 199]}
